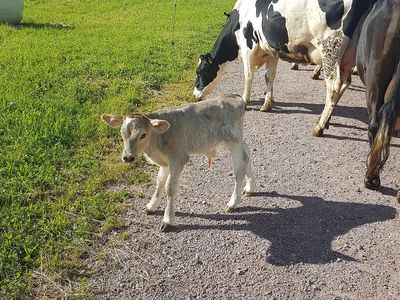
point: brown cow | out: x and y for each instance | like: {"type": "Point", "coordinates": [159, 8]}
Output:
{"type": "Point", "coordinates": [378, 56]}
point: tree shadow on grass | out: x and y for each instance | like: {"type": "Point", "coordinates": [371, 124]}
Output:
{"type": "Point", "coordinates": [58, 26]}
{"type": "Point", "coordinates": [302, 234]}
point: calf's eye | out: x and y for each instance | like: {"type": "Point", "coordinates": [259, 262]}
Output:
{"type": "Point", "coordinates": [142, 136]}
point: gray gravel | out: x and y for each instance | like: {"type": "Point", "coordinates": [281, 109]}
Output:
{"type": "Point", "coordinates": [312, 231]}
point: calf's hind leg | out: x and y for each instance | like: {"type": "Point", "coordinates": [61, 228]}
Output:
{"type": "Point", "coordinates": [250, 183]}
{"type": "Point", "coordinates": [240, 161]}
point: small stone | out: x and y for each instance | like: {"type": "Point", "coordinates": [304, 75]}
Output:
{"type": "Point", "coordinates": [241, 271]}
{"type": "Point", "coordinates": [197, 260]}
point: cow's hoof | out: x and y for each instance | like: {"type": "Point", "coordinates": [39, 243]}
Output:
{"type": "Point", "coordinates": [317, 132]}
{"type": "Point", "coordinates": [229, 209]}
{"type": "Point", "coordinates": [165, 227]}
{"type": "Point", "coordinates": [398, 196]}
{"type": "Point", "coordinates": [372, 182]}
{"type": "Point", "coordinates": [315, 76]}
{"type": "Point", "coordinates": [266, 107]}
{"type": "Point", "coordinates": [246, 194]}
{"type": "Point", "coordinates": [294, 67]}
{"type": "Point", "coordinates": [149, 212]}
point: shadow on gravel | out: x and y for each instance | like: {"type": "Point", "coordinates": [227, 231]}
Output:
{"type": "Point", "coordinates": [349, 112]}
{"type": "Point", "coordinates": [302, 234]}
{"type": "Point", "coordinates": [351, 138]}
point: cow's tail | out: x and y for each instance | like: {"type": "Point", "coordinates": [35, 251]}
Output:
{"type": "Point", "coordinates": [386, 121]}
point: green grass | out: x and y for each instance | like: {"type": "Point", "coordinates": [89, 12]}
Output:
{"type": "Point", "coordinates": [69, 62]}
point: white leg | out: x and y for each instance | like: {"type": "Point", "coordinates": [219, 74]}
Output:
{"type": "Point", "coordinates": [171, 187]}
{"type": "Point", "coordinates": [335, 87]}
{"type": "Point", "coordinates": [155, 201]}
{"type": "Point", "coordinates": [240, 162]}
{"type": "Point", "coordinates": [250, 182]}
{"type": "Point", "coordinates": [317, 72]}
{"type": "Point", "coordinates": [248, 66]}
{"type": "Point", "coordinates": [270, 73]}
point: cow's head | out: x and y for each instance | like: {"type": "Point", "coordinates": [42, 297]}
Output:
{"type": "Point", "coordinates": [136, 133]}
{"type": "Point", "coordinates": [208, 75]}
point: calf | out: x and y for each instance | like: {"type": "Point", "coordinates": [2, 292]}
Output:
{"type": "Point", "coordinates": [378, 63]}
{"type": "Point", "coordinates": [168, 138]}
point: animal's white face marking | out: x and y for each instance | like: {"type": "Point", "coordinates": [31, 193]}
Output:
{"type": "Point", "coordinates": [199, 94]}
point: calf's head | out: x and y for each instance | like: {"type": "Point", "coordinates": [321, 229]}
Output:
{"type": "Point", "coordinates": [208, 74]}
{"type": "Point", "coordinates": [137, 133]}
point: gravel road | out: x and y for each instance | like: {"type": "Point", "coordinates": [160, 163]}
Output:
{"type": "Point", "coordinates": [311, 231]}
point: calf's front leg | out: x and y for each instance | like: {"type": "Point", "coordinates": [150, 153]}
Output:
{"type": "Point", "coordinates": [171, 187]}
{"type": "Point", "coordinates": [155, 201]}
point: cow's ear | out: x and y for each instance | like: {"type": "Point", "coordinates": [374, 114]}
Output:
{"type": "Point", "coordinates": [113, 121]}
{"type": "Point", "coordinates": [160, 126]}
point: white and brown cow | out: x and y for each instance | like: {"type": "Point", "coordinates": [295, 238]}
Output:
{"type": "Point", "coordinates": [168, 137]}
{"type": "Point", "coordinates": [301, 31]}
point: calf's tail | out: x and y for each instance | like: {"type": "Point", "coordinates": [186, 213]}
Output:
{"type": "Point", "coordinates": [386, 118]}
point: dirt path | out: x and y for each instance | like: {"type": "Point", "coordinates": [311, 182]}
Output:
{"type": "Point", "coordinates": [312, 231]}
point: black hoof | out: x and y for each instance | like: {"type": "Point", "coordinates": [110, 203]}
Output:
{"type": "Point", "coordinates": [372, 182]}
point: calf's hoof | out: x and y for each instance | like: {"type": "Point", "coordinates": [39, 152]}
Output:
{"type": "Point", "coordinates": [372, 182]}
{"type": "Point", "coordinates": [165, 227]}
{"type": "Point", "coordinates": [229, 209]}
{"type": "Point", "coordinates": [266, 107]}
{"type": "Point", "coordinates": [317, 132]}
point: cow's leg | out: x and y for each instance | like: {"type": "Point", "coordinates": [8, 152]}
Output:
{"type": "Point", "coordinates": [375, 99]}
{"type": "Point", "coordinates": [171, 187]}
{"type": "Point", "coordinates": [155, 201]}
{"type": "Point", "coordinates": [240, 162]}
{"type": "Point", "coordinates": [248, 66]}
{"type": "Point", "coordinates": [336, 84]}
{"type": "Point", "coordinates": [270, 72]}
{"type": "Point", "coordinates": [250, 183]}
{"type": "Point", "coordinates": [317, 72]}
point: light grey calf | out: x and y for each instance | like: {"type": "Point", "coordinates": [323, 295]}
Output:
{"type": "Point", "coordinates": [168, 138]}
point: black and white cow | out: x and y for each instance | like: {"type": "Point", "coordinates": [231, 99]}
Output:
{"type": "Point", "coordinates": [301, 31]}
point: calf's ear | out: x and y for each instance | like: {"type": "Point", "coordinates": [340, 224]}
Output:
{"type": "Point", "coordinates": [113, 121]}
{"type": "Point", "coordinates": [160, 126]}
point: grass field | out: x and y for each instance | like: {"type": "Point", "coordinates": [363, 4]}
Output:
{"type": "Point", "coordinates": [70, 61]}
